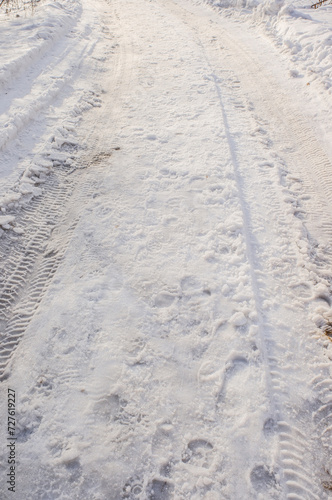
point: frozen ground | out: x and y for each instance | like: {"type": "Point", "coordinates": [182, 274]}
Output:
{"type": "Point", "coordinates": [165, 187]}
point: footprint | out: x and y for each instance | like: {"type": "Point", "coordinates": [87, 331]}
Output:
{"type": "Point", "coordinates": [28, 419]}
{"type": "Point", "coordinates": [160, 490]}
{"type": "Point", "coordinates": [74, 470]}
{"type": "Point", "coordinates": [270, 427]}
{"type": "Point", "coordinates": [168, 173]}
{"type": "Point", "coordinates": [233, 369]}
{"type": "Point", "coordinates": [132, 489]}
{"type": "Point", "coordinates": [108, 407]}
{"type": "Point", "coordinates": [154, 245]}
{"type": "Point", "coordinates": [198, 453]}
{"type": "Point", "coordinates": [43, 386]}
{"type": "Point", "coordinates": [166, 469]}
{"type": "Point", "coordinates": [137, 346]}
{"type": "Point", "coordinates": [263, 478]}
{"type": "Point", "coordinates": [164, 299]}
{"type": "Point", "coordinates": [210, 371]}
{"type": "Point", "coordinates": [188, 283]}
{"type": "Point", "coordinates": [114, 409]}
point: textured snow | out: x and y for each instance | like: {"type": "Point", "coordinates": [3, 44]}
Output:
{"type": "Point", "coordinates": [165, 302]}
{"type": "Point", "coordinates": [303, 34]}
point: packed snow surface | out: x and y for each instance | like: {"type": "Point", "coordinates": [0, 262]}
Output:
{"type": "Point", "coordinates": [166, 250]}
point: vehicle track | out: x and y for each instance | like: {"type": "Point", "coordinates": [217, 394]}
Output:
{"type": "Point", "coordinates": [215, 415]}
{"type": "Point", "coordinates": [46, 223]}
{"type": "Point", "coordinates": [296, 472]}
{"type": "Point", "coordinates": [31, 259]}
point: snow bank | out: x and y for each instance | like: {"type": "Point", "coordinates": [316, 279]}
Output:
{"type": "Point", "coordinates": [31, 38]}
{"type": "Point", "coordinates": [304, 34]}
{"type": "Point", "coordinates": [52, 156]}
{"type": "Point", "coordinates": [43, 50]}
{"type": "Point", "coordinates": [32, 35]}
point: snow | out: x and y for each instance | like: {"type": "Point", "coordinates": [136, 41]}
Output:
{"type": "Point", "coordinates": [36, 74]}
{"type": "Point", "coordinates": [302, 33]}
{"type": "Point", "coordinates": [165, 239]}
{"type": "Point", "coordinates": [302, 36]}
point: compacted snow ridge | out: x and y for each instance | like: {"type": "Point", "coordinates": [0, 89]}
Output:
{"type": "Point", "coordinates": [166, 250]}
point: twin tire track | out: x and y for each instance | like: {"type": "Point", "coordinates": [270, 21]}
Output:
{"type": "Point", "coordinates": [31, 260]}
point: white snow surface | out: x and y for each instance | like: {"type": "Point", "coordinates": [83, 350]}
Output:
{"type": "Point", "coordinates": [166, 253]}
{"type": "Point", "coordinates": [302, 33]}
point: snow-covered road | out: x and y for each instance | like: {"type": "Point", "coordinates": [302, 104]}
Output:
{"type": "Point", "coordinates": [166, 262]}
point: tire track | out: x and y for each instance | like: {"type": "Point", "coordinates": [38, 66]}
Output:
{"type": "Point", "coordinates": [31, 259]}
{"type": "Point", "coordinates": [32, 62]}
{"type": "Point", "coordinates": [298, 473]}
{"type": "Point", "coordinates": [306, 153]}
{"type": "Point", "coordinates": [315, 169]}
{"type": "Point", "coordinates": [23, 111]}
